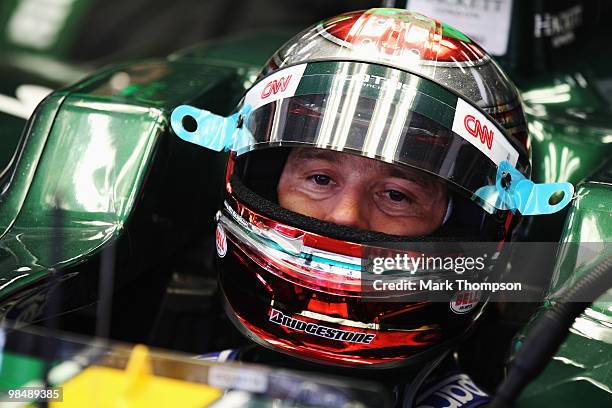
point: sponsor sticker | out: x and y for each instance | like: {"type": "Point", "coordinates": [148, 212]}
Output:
{"type": "Point", "coordinates": [279, 85]}
{"type": "Point", "coordinates": [474, 127]}
{"type": "Point", "coordinates": [350, 336]}
{"type": "Point", "coordinates": [220, 241]}
{"type": "Point", "coordinates": [464, 300]}
{"type": "Point", "coordinates": [485, 21]}
{"type": "Point", "coordinates": [560, 27]}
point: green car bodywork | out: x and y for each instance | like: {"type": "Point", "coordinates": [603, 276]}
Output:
{"type": "Point", "coordinates": [570, 124]}
{"type": "Point", "coordinates": [102, 151]}
{"type": "Point", "coordinates": [581, 371]}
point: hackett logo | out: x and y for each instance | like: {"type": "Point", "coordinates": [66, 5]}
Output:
{"type": "Point", "coordinates": [471, 5]}
{"type": "Point", "coordinates": [476, 129]}
{"type": "Point", "coordinates": [275, 86]}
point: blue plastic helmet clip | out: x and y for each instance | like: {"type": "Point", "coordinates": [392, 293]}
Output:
{"type": "Point", "coordinates": [512, 191]}
{"type": "Point", "coordinates": [215, 132]}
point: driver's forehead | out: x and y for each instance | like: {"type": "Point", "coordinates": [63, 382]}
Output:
{"type": "Point", "coordinates": [353, 163]}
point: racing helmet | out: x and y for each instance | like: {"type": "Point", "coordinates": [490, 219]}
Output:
{"type": "Point", "coordinates": [388, 85]}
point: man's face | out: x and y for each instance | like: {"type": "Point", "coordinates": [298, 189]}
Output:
{"type": "Point", "coordinates": [361, 193]}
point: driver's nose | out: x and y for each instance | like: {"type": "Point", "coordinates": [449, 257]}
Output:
{"type": "Point", "coordinates": [349, 208]}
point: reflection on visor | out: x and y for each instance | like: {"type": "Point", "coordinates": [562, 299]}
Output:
{"type": "Point", "coordinates": [419, 142]}
{"type": "Point", "coordinates": [393, 94]}
{"type": "Point", "coordinates": [373, 111]}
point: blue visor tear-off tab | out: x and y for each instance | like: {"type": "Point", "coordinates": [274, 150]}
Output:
{"type": "Point", "coordinates": [512, 191]}
{"type": "Point", "coordinates": [215, 132]}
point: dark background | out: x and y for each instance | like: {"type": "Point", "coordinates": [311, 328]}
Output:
{"type": "Point", "coordinates": [139, 28]}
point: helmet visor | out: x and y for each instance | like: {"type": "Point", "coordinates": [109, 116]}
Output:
{"type": "Point", "coordinates": [381, 113]}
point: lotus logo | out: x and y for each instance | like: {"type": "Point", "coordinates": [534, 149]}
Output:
{"type": "Point", "coordinates": [476, 129]}
{"type": "Point", "coordinates": [275, 86]}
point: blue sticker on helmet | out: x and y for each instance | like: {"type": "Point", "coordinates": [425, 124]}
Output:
{"type": "Point", "coordinates": [212, 131]}
{"type": "Point", "coordinates": [513, 191]}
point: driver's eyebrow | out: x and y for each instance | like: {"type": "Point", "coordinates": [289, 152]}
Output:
{"type": "Point", "coordinates": [302, 155]}
{"type": "Point", "coordinates": [420, 180]}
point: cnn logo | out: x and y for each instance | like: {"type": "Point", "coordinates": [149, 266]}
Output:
{"type": "Point", "coordinates": [476, 129]}
{"type": "Point", "coordinates": [275, 86]}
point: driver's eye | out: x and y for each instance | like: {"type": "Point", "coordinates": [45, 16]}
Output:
{"type": "Point", "coordinates": [395, 195]}
{"type": "Point", "coordinates": [321, 179]}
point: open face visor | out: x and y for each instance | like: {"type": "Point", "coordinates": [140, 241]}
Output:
{"type": "Point", "coordinates": [381, 113]}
